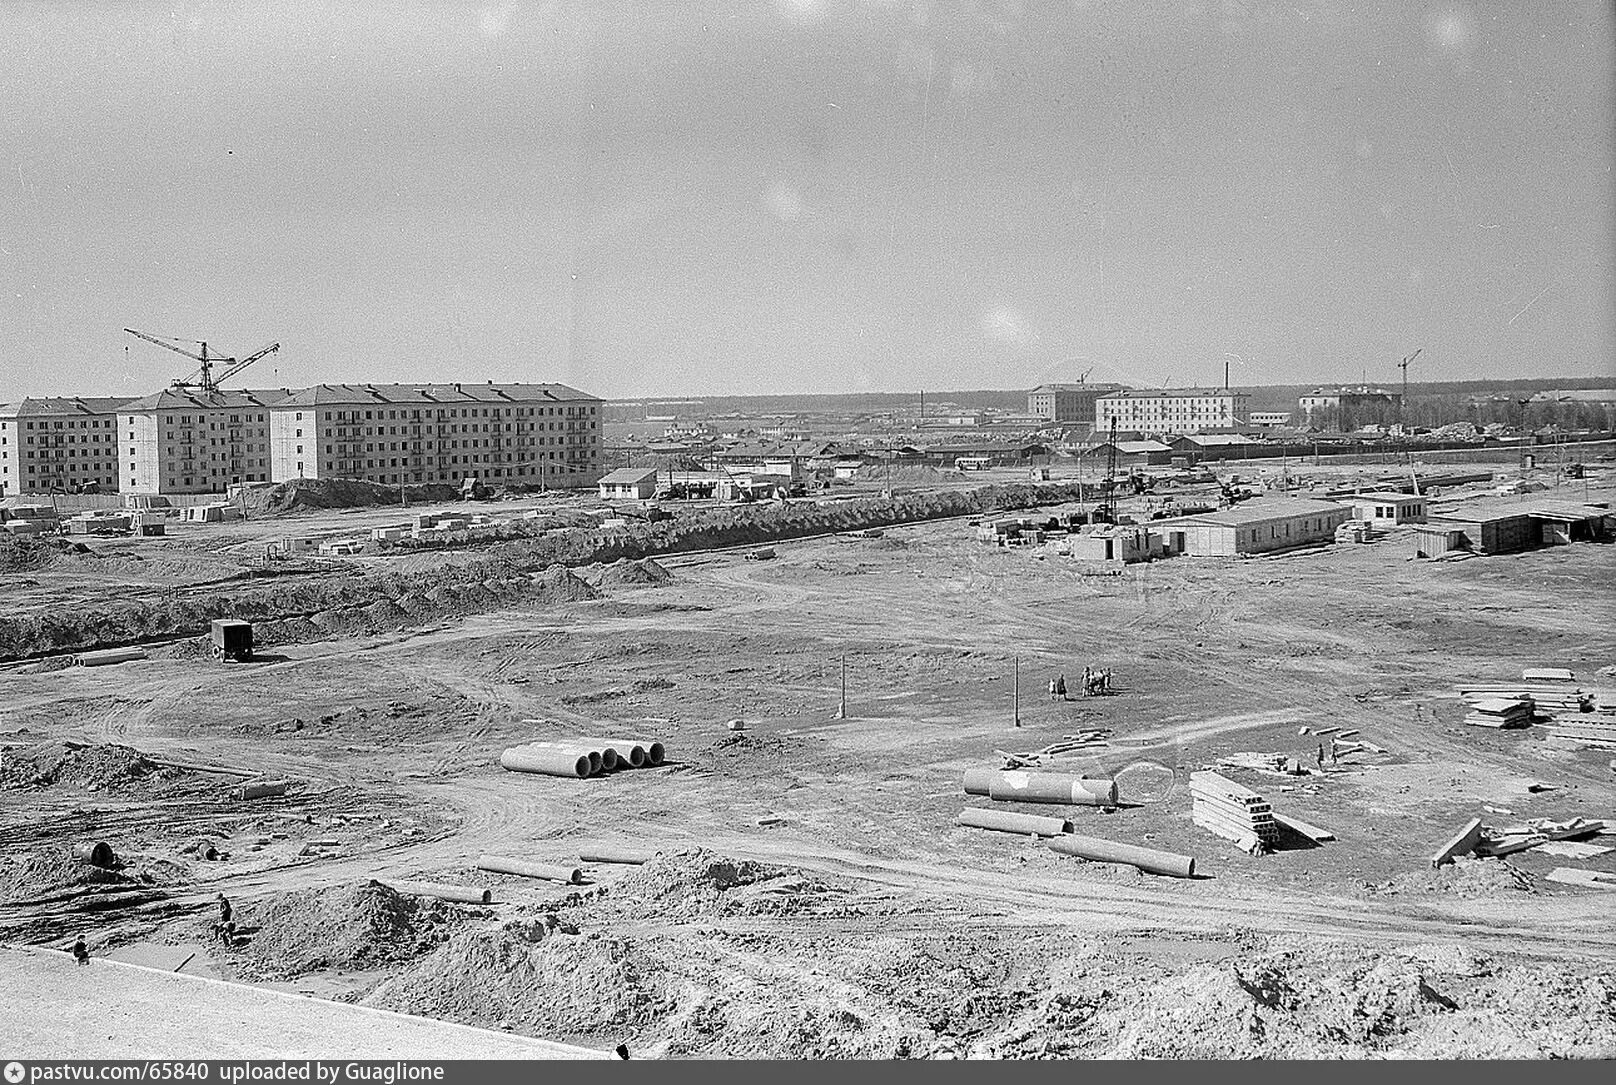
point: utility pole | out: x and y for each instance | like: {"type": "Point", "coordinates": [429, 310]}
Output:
{"type": "Point", "coordinates": [841, 713]}
{"type": "Point", "coordinates": [1017, 691]}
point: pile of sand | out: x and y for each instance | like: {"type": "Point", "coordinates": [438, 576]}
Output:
{"type": "Point", "coordinates": [93, 768]}
{"type": "Point", "coordinates": [361, 925]}
{"type": "Point", "coordinates": [562, 985]}
{"type": "Point", "coordinates": [1466, 877]}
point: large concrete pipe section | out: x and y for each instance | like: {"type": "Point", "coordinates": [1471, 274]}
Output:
{"type": "Point", "coordinates": [267, 789]}
{"type": "Point", "coordinates": [630, 752]}
{"type": "Point", "coordinates": [95, 852]}
{"type": "Point", "coordinates": [547, 761]}
{"type": "Point", "coordinates": [1055, 787]}
{"type": "Point", "coordinates": [654, 751]}
{"type": "Point", "coordinates": [1109, 851]}
{"type": "Point", "coordinates": [465, 894]}
{"type": "Point", "coordinates": [977, 780]}
{"type": "Point", "coordinates": [1006, 822]}
{"type": "Point", "coordinates": [501, 864]}
{"type": "Point", "coordinates": [608, 853]}
{"type": "Point", "coordinates": [601, 758]}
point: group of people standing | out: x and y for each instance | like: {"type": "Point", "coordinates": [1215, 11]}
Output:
{"type": "Point", "coordinates": [1095, 683]}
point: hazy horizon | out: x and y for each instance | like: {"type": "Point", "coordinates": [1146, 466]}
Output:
{"type": "Point", "coordinates": [806, 196]}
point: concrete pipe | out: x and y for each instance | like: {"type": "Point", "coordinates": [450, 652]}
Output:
{"type": "Point", "coordinates": [501, 864]}
{"type": "Point", "coordinates": [630, 752]}
{"type": "Point", "coordinates": [607, 853]}
{"type": "Point", "coordinates": [268, 789]}
{"type": "Point", "coordinates": [548, 762]}
{"type": "Point", "coordinates": [977, 780]}
{"type": "Point", "coordinates": [465, 894]}
{"type": "Point", "coordinates": [654, 752]}
{"type": "Point", "coordinates": [1054, 787]}
{"type": "Point", "coordinates": [608, 760]}
{"type": "Point", "coordinates": [95, 852]}
{"type": "Point", "coordinates": [1109, 851]}
{"type": "Point", "coordinates": [1006, 822]}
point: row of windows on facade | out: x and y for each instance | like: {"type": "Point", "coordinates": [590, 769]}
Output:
{"type": "Point", "coordinates": [442, 476]}
{"type": "Point", "coordinates": [185, 419]}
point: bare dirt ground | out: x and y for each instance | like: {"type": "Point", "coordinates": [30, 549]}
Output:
{"type": "Point", "coordinates": [814, 897]}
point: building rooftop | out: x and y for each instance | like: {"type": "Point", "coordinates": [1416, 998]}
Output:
{"type": "Point", "coordinates": [1508, 508]}
{"type": "Point", "coordinates": [1384, 495]}
{"type": "Point", "coordinates": [1172, 393]}
{"type": "Point", "coordinates": [194, 399]}
{"type": "Point", "coordinates": [1080, 386]}
{"type": "Point", "coordinates": [431, 394]}
{"type": "Point", "coordinates": [627, 475]}
{"type": "Point", "coordinates": [1260, 510]}
{"type": "Point", "coordinates": [63, 406]}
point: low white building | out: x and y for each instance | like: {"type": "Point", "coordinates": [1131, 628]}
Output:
{"type": "Point", "coordinates": [1385, 509]}
{"type": "Point", "coordinates": [629, 484]}
{"type": "Point", "coordinates": [1254, 527]}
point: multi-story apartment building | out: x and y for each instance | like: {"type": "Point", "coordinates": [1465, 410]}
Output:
{"type": "Point", "coordinates": [1347, 409]}
{"type": "Point", "coordinates": [1173, 410]}
{"type": "Point", "coordinates": [187, 441]}
{"type": "Point", "coordinates": [1073, 403]}
{"type": "Point", "coordinates": [408, 433]}
{"type": "Point", "coordinates": [59, 445]}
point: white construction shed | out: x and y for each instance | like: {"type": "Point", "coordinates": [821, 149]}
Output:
{"type": "Point", "coordinates": [1387, 509]}
{"type": "Point", "coordinates": [1261, 526]}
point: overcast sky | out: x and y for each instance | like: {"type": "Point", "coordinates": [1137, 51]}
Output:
{"type": "Point", "coordinates": [805, 195]}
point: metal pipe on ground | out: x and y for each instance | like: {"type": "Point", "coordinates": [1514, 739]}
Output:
{"type": "Point", "coordinates": [1110, 851]}
{"type": "Point", "coordinates": [1006, 822]}
{"type": "Point", "coordinates": [501, 864]}
{"type": "Point", "coordinates": [95, 852]}
{"type": "Point", "coordinates": [609, 853]}
{"type": "Point", "coordinates": [465, 894]}
{"type": "Point", "coordinates": [1053, 787]}
{"type": "Point", "coordinates": [547, 762]}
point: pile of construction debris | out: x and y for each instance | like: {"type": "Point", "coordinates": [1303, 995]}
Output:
{"type": "Point", "coordinates": [1090, 738]}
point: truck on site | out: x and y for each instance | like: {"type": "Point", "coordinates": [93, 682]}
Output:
{"type": "Point", "coordinates": [232, 640]}
{"type": "Point", "coordinates": [762, 553]}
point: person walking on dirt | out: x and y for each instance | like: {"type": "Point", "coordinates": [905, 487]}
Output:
{"type": "Point", "coordinates": [1060, 687]}
{"type": "Point", "coordinates": [1088, 681]}
{"type": "Point", "coordinates": [81, 952]}
{"type": "Point", "coordinates": [1335, 754]}
{"type": "Point", "coordinates": [225, 929]}
{"type": "Point", "coordinates": [1051, 689]}
{"type": "Point", "coordinates": [1321, 754]}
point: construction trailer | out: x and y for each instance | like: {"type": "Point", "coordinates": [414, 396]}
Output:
{"type": "Point", "coordinates": [232, 639]}
{"type": "Point", "coordinates": [1261, 526]}
{"type": "Point", "coordinates": [1508, 527]}
{"type": "Point", "coordinates": [1126, 543]}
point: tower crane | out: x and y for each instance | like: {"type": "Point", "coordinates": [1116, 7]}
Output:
{"type": "Point", "coordinates": [1403, 365]}
{"type": "Point", "coordinates": [204, 377]}
{"type": "Point", "coordinates": [1107, 512]}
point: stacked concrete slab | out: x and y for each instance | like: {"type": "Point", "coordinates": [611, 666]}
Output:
{"type": "Point", "coordinates": [1233, 812]}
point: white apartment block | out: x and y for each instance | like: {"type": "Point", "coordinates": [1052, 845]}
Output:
{"type": "Point", "coordinates": [1172, 410]}
{"type": "Point", "coordinates": [186, 441]}
{"type": "Point", "coordinates": [408, 433]}
{"type": "Point", "coordinates": [59, 445]}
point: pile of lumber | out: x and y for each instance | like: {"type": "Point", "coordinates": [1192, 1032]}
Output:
{"type": "Point", "coordinates": [1499, 712]}
{"type": "Point", "coordinates": [1594, 730]}
{"type": "Point", "coordinates": [1545, 696]}
{"type": "Point", "coordinates": [1087, 739]}
{"type": "Point", "coordinates": [1235, 813]}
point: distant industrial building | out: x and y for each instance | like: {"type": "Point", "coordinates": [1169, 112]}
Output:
{"type": "Point", "coordinates": [1173, 410]}
{"type": "Point", "coordinates": [1270, 419]}
{"type": "Point", "coordinates": [1342, 410]}
{"type": "Point", "coordinates": [1261, 526]}
{"type": "Point", "coordinates": [1214, 446]}
{"type": "Point", "coordinates": [1067, 403]}
{"type": "Point", "coordinates": [1130, 453]}
{"type": "Point", "coordinates": [59, 445]}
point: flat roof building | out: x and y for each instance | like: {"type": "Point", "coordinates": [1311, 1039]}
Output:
{"type": "Point", "coordinates": [1173, 410]}
{"type": "Point", "coordinates": [1507, 527]}
{"type": "Point", "coordinates": [1067, 403]}
{"type": "Point", "coordinates": [1386, 509]}
{"type": "Point", "coordinates": [1260, 526]}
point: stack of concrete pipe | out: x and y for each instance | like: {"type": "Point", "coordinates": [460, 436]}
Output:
{"type": "Point", "coordinates": [581, 758]}
{"type": "Point", "coordinates": [1017, 785]}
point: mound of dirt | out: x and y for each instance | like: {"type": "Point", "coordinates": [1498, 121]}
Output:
{"type": "Point", "coordinates": [699, 883]}
{"type": "Point", "coordinates": [912, 475]}
{"type": "Point", "coordinates": [338, 493]}
{"type": "Point", "coordinates": [565, 984]}
{"type": "Point", "coordinates": [558, 584]}
{"type": "Point", "coordinates": [19, 554]}
{"type": "Point", "coordinates": [630, 573]}
{"type": "Point", "coordinates": [30, 875]}
{"type": "Point", "coordinates": [93, 767]}
{"type": "Point", "coordinates": [1465, 877]}
{"type": "Point", "coordinates": [365, 924]}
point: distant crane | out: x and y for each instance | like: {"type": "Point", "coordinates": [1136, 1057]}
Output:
{"type": "Point", "coordinates": [204, 378]}
{"type": "Point", "coordinates": [1107, 512]}
{"type": "Point", "coordinates": [1403, 365]}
